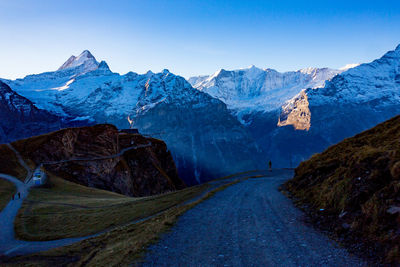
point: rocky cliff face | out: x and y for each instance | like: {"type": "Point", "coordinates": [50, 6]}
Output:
{"type": "Point", "coordinates": [98, 156]}
{"type": "Point", "coordinates": [207, 142]}
{"type": "Point", "coordinates": [356, 184]}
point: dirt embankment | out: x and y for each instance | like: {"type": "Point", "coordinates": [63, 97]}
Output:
{"type": "Point", "coordinates": [146, 169]}
{"type": "Point", "coordinates": [353, 188]}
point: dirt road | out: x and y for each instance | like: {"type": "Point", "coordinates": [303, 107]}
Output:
{"type": "Point", "coordinates": [248, 224]}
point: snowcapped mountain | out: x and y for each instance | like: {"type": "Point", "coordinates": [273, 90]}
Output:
{"type": "Point", "coordinates": [85, 59]}
{"type": "Point", "coordinates": [19, 118]}
{"type": "Point", "coordinates": [349, 103]}
{"type": "Point", "coordinates": [293, 115]}
{"type": "Point", "coordinates": [250, 90]}
{"type": "Point", "coordinates": [374, 86]}
{"type": "Point", "coordinates": [232, 120]}
{"type": "Point", "coordinates": [205, 139]}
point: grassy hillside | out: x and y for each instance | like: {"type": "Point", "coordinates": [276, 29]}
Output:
{"type": "Point", "coordinates": [354, 188]}
{"type": "Point", "coordinates": [7, 189]}
{"type": "Point", "coordinates": [65, 209]}
{"type": "Point", "coordinates": [9, 163]}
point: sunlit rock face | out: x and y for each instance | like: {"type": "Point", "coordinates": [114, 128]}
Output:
{"type": "Point", "coordinates": [206, 140]}
{"type": "Point", "coordinates": [271, 106]}
{"type": "Point", "coordinates": [350, 103]}
{"type": "Point", "coordinates": [252, 90]}
{"type": "Point", "coordinates": [296, 113]}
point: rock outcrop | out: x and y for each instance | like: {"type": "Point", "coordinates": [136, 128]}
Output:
{"type": "Point", "coordinates": [102, 157]}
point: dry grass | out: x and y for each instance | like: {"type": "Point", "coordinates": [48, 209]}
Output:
{"type": "Point", "coordinates": [9, 163]}
{"type": "Point", "coordinates": [123, 246]}
{"type": "Point", "coordinates": [7, 189]}
{"type": "Point", "coordinates": [358, 177]}
{"type": "Point", "coordinates": [66, 209]}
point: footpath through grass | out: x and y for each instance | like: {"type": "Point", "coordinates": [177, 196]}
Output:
{"type": "Point", "coordinates": [125, 245]}
{"type": "Point", "coordinates": [66, 209]}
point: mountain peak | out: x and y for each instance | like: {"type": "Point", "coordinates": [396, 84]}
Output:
{"type": "Point", "coordinates": [85, 58]}
{"type": "Point", "coordinates": [86, 53]}
{"type": "Point", "coordinates": [103, 65]}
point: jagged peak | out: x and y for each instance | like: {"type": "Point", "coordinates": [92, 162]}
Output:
{"type": "Point", "coordinates": [103, 65]}
{"type": "Point", "coordinates": [87, 54]}
{"type": "Point", "coordinates": [85, 58]}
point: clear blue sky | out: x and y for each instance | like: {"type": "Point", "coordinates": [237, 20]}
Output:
{"type": "Point", "coordinates": [195, 37]}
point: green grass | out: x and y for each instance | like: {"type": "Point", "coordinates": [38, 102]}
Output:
{"type": "Point", "coordinates": [7, 189]}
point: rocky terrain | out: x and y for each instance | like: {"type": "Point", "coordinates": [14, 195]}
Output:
{"type": "Point", "coordinates": [353, 188]}
{"type": "Point", "coordinates": [99, 156]}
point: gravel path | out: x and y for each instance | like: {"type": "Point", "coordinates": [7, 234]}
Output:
{"type": "Point", "coordinates": [248, 224]}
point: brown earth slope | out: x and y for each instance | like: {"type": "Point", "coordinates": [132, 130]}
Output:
{"type": "Point", "coordinates": [354, 188]}
{"type": "Point", "coordinates": [146, 170]}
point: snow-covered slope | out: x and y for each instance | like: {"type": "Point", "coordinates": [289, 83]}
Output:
{"type": "Point", "coordinates": [375, 84]}
{"type": "Point", "coordinates": [259, 90]}
{"type": "Point", "coordinates": [85, 59]}
{"type": "Point", "coordinates": [293, 115]}
{"type": "Point", "coordinates": [205, 139]}
{"type": "Point", "coordinates": [20, 118]}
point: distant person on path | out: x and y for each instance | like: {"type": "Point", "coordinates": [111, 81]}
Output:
{"type": "Point", "coordinates": [13, 196]}
{"type": "Point", "coordinates": [270, 166]}
{"type": "Point", "coordinates": [19, 195]}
